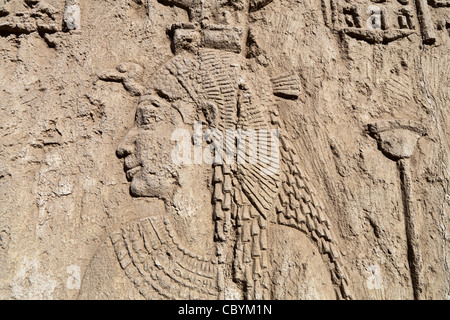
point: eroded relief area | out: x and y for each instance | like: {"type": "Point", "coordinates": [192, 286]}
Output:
{"type": "Point", "coordinates": [242, 149]}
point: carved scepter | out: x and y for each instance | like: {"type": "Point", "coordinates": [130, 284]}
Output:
{"type": "Point", "coordinates": [397, 140]}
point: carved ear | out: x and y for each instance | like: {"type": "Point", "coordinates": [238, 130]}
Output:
{"type": "Point", "coordinates": [210, 112]}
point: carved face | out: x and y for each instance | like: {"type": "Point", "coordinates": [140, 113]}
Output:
{"type": "Point", "coordinates": [147, 150]}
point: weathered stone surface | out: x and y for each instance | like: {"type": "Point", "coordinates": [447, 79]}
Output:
{"type": "Point", "coordinates": [123, 170]}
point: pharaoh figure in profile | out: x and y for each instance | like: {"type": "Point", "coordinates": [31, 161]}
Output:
{"type": "Point", "coordinates": [253, 229]}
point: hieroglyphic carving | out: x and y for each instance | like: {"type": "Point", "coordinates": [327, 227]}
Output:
{"type": "Point", "coordinates": [441, 13]}
{"type": "Point", "coordinates": [382, 21]}
{"type": "Point", "coordinates": [426, 23]}
{"type": "Point", "coordinates": [444, 25]}
{"type": "Point", "coordinates": [397, 140]}
{"type": "Point", "coordinates": [439, 3]}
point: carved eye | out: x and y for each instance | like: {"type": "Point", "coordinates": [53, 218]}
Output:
{"type": "Point", "coordinates": [148, 115]}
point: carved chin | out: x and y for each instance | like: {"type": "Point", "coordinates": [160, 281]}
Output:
{"type": "Point", "coordinates": [154, 187]}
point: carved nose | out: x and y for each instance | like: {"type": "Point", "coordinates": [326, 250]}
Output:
{"type": "Point", "coordinates": [126, 147]}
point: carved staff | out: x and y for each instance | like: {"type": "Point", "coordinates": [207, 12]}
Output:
{"type": "Point", "coordinates": [397, 140]}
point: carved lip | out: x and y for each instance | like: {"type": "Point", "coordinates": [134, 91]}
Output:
{"type": "Point", "coordinates": [131, 172]}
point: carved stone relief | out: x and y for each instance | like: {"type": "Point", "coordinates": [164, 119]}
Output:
{"type": "Point", "coordinates": [258, 149]}
{"type": "Point", "coordinates": [207, 79]}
